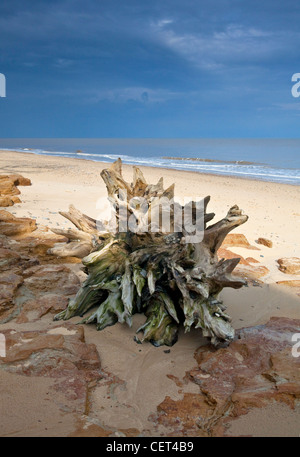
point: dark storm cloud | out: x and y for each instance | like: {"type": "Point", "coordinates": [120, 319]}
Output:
{"type": "Point", "coordinates": [169, 59]}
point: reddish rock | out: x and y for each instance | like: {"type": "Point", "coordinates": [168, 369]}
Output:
{"type": "Point", "coordinates": [292, 283]}
{"type": "Point", "coordinates": [38, 243]}
{"type": "Point", "coordinates": [60, 354]}
{"type": "Point", "coordinates": [33, 310]}
{"type": "Point", "coordinates": [15, 199]}
{"type": "Point", "coordinates": [8, 189]}
{"type": "Point", "coordinates": [6, 201]}
{"type": "Point", "coordinates": [237, 240]}
{"type": "Point", "coordinates": [51, 278]}
{"type": "Point", "coordinates": [13, 262]}
{"type": "Point", "coordinates": [15, 226]}
{"type": "Point", "coordinates": [245, 268]}
{"type": "Point", "coordinates": [20, 180]}
{"type": "Point", "coordinates": [255, 370]}
{"type": "Point", "coordinates": [8, 258]}
{"type": "Point", "coordinates": [7, 186]}
{"type": "Point", "coordinates": [265, 242]}
{"type": "Point", "coordinates": [251, 272]}
{"type": "Point", "coordinates": [183, 417]}
{"type": "Point", "coordinates": [9, 284]}
{"type": "Point", "coordinates": [289, 265]}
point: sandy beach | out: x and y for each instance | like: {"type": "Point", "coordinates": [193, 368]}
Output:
{"type": "Point", "coordinates": [144, 375]}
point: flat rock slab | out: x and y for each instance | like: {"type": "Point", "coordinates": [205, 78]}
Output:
{"type": "Point", "coordinates": [254, 371]}
{"type": "Point", "coordinates": [61, 354]}
{"type": "Point", "coordinates": [15, 226]}
{"type": "Point", "coordinates": [51, 278]}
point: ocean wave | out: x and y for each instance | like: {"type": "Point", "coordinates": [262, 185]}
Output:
{"type": "Point", "coordinates": [226, 168]}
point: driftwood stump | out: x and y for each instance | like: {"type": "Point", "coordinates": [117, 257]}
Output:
{"type": "Point", "coordinates": [146, 260]}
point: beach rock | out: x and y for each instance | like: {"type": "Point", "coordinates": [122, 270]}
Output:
{"type": "Point", "coordinates": [19, 180]}
{"type": "Point", "coordinates": [4, 241]}
{"type": "Point", "coordinates": [237, 240]}
{"type": "Point", "coordinates": [42, 279]}
{"type": "Point", "coordinates": [50, 303]}
{"type": "Point", "coordinates": [15, 199]}
{"type": "Point", "coordinates": [8, 259]}
{"type": "Point", "coordinates": [6, 201]}
{"type": "Point", "coordinates": [248, 268]}
{"type": "Point", "coordinates": [265, 242]}
{"type": "Point", "coordinates": [7, 186]}
{"type": "Point", "coordinates": [9, 284]}
{"type": "Point", "coordinates": [257, 369]}
{"type": "Point", "coordinates": [292, 283]}
{"type": "Point", "coordinates": [289, 265]}
{"type": "Point", "coordinates": [15, 226]}
{"type": "Point", "coordinates": [38, 244]}
{"type": "Point", "coordinates": [8, 189]}
{"type": "Point", "coordinates": [60, 354]}
{"type": "Point", "coordinates": [13, 262]}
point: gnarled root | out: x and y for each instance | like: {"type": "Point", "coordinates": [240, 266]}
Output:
{"type": "Point", "coordinates": [161, 273]}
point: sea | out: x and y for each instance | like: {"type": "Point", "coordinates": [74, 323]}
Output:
{"type": "Point", "coordinates": [275, 160]}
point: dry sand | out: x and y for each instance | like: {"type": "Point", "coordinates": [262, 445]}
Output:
{"type": "Point", "coordinates": [274, 213]}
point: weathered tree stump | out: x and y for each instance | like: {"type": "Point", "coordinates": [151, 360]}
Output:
{"type": "Point", "coordinates": [147, 263]}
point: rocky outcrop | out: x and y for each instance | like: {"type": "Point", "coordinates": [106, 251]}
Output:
{"type": "Point", "coordinates": [7, 186]}
{"type": "Point", "coordinates": [38, 244]}
{"type": "Point", "coordinates": [6, 201]}
{"type": "Point", "coordinates": [28, 274]}
{"type": "Point", "coordinates": [9, 285]}
{"type": "Point", "coordinates": [51, 278]}
{"type": "Point", "coordinates": [19, 180]}
{"type": "Point", "coordinates": [34, 309]}
{"type": "Point", "coordinates": [258, 368]}
{"type": "Point", "coordinates": [289, 265]}
{"type": "Point", "coordinates": [9, 190]}
{"type": "Point", "coordinates": [15, 227]}
{"type": "Point", "coordinates": [42, 288]}
{"type": "Point", "coordinates": [32, 287]}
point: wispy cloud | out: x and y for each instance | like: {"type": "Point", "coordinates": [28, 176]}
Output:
{"type": "Point", "coordinates": [236, 44]}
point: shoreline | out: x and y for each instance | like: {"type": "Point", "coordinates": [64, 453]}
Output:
{"type": "Point", "coordinates": [273, 208]}
{"type": "Point", "coordinates": [175, 170]}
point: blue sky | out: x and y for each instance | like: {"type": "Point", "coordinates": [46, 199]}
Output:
{"type": "Point", "coordinates": [137, 68]}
